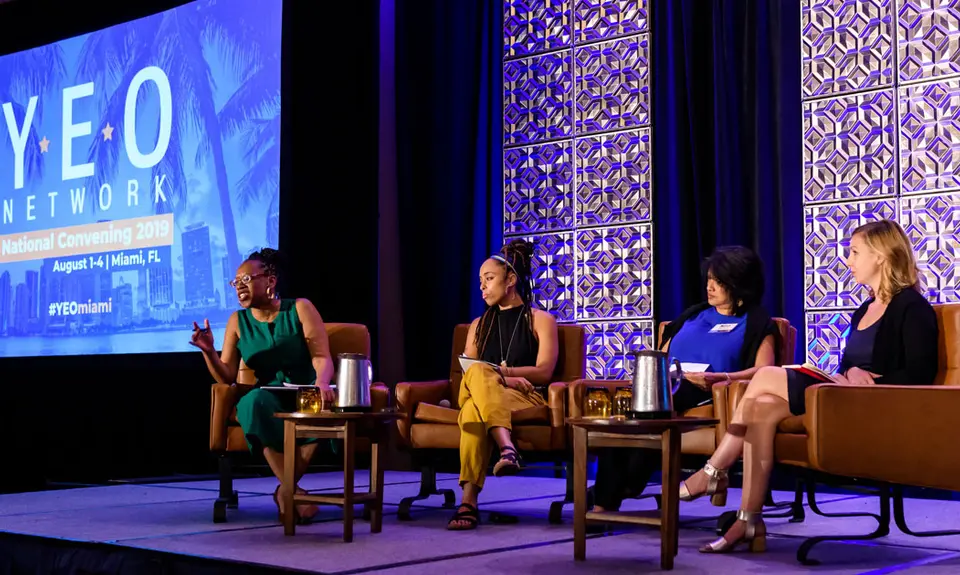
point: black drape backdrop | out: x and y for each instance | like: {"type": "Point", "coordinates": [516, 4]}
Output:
{"type": "Point", "coordinates": [448, 163]}
{"type": "Point", "coordinates": [726, 144]}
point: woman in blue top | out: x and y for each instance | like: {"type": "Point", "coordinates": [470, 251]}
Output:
{"type": "Point", "coordinates": [731, 333]}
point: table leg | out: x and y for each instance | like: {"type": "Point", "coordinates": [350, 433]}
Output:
{"type": "Point", "coordinates": [376, 485]}
{"type": "Point", "coordinates": [670, 506]}
{"type": "Point", "coordinates": [289, 475]}
{"type": "Point", "coordinates": [348, 448]}
{"type": "Point", "coordinates": [579, 493]}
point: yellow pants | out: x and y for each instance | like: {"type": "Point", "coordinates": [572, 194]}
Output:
{"type": "Point", "coordinates": [484, 404]}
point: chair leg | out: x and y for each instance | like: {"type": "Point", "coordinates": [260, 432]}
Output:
{"type": "Point", "coordinates": [883, 523]}
{"type": "Point", "coordinates": [556, 508]}
{"type": "Point", "coordinates": [428, 487]}
{"type": "Point", "coordinates": [227, 498]}
{"type": "Point", "coordinates": [794, 510]}
{"type": "Point", "coordinates": [901, 521]}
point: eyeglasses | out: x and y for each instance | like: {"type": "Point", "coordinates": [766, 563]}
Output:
{"type": "Point", "coordinates": [244, 279]}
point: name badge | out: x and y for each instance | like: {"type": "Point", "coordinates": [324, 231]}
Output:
{"type": "Point", "coordinates": [724, 327]}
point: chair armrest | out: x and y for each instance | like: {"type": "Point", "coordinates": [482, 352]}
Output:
{"type": "Point", "coordinates": [902, 434]}
{"type": "Point", "coordinates": [222, 400]}
{"type": "Point", "coordinates": [379, 397]}
{"type": "Point", "coordinates": [722, 408]}
{"type": "Point", "coordinates": [409, 394]}
{"type": "Point", "coordinates": [557, 402]}
{"type": "Point", "coordinates": [577, 390]}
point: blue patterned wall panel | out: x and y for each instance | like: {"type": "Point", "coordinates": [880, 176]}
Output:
{"type": "Point", "coordinates": [532, 26]}
{"type": "Point", "coordinates": [553, 262]}
{"type": "Point", "coordinates": [613, 178]}
{"type": "Point", "coordinates": [827, 229]}
{"type": "Point", "coordinates": [601, 19]}
{"type": "Point", "coordinates": [826, 337]}
{"type": "Point", "coordinates": [615, 272]}
{"type": "Point", "coordinates": [537, 98]}
{"type": "Point", "coordinates": [930, 136]}
{"type": "Point", "coordinates": [613, 89]}
{"type": "Point", "coordinates": [933, 225]}
{"type": "Point", "coordinates": [538, 188]}
{"type": "Point", "coordinates": [848, 148]}
{"type": "Point", "coordinates": [847, 45]}
{"type": "Point", "coordinates": [928, 38]}
{"type": "Point", "coordinates": [609, 343]}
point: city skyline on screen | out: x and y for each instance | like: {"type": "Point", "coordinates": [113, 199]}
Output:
{"type": "Point", "coordinates": [138, 165]}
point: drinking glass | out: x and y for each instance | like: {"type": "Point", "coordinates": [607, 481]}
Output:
{"type": "Point", "coordinates": [309, 400]}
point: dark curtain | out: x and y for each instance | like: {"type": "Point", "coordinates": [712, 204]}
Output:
{"type": "Point", "coordinates": [448, 92]}
{"type": "Point", "coordinates": [727, 137]}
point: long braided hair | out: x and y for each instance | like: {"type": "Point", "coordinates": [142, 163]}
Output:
{"type": "Point", "coordinates": [519, 254]}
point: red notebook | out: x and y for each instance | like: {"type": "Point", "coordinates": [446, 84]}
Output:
{"type": "Point", "coordinates": [812, 371]}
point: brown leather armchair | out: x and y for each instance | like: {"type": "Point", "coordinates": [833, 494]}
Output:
{"type": "Point", "coordinates": [427, 427]}
{"type": "Point", "coordinates": [226, 436]}
{"type": "Point", "coordinates": [702, 441]}
{"type": "Point", "coordinates": [878, 437]}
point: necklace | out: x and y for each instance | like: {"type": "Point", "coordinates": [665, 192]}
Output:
{"type": "Point", "coordinates": [503, 357]}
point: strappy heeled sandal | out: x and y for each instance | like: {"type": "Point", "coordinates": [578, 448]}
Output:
{"type": "Point", "coordinates": [297, 519]}
{"type": "Point", "coordinates": [755, 536]}
{"type": "Point", "coordinates": [716, 487]}
{"type": "Point", "coordinates": [509, 463]}
{"type": "Point", "coordinates": [467, 513]}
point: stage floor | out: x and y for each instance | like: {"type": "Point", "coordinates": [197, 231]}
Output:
{"type": "Point", "coordinates": [176, 518]}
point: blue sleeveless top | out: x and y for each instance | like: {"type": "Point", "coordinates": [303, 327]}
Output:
{"type": "Point", "coordinates": [700, 340]}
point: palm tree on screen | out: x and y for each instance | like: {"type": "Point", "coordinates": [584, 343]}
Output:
{"type": "Point", "coordinates": [35, 72]}
{"type": "Point", "coordinates": [174, 41]}
{"type": "Point", "coordinates": [251, 44]}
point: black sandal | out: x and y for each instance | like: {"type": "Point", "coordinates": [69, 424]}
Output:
{"type": "Point", "coordinates": [509, 462]}
{"type": "Point", "coordinates": [465, 512]}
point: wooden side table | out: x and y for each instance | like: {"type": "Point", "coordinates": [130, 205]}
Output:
{"type": "Point", "coordinates": [632, 433]}
{"type": "Point", "coordinates": [345, 426]}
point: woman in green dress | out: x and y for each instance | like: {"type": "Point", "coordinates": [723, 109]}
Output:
{"type": "Point", "coordinates": [282, 341]}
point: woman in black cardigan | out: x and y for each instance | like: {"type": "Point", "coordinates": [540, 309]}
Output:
{"type": "Point", "coordinates": [893, 340]}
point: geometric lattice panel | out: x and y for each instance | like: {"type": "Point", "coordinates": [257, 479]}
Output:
{"type": "Point", "coordinates": [601, 19]}
{"type": "Point", "coordinates": [847, 45]}
{"type": "Point", "coordinates": [930, 136]}
{"type": "Point", "coordinates": [538, 188]}
{"type": "Point", "coordinates": [553, 268]}
{"type": "Point", "coordinates": [848, 147]}
{"type": "Point", "coordinates": [827, 229]}
{"type": "Point", "coordinates": [613, 178]}
{"type": "Point", "coordinates": [827, 335]}
{"type": "Point", "coordinates": [531, 26]}
{"type": "Point", "coordinates": [615, 272]}
{"type": "Point", "coordinates": [933, 225]}
{"type": "Point", "coordinates": [612, 85]}
{"type": "Point", "coordinates": [608, 346]}
{"type": "Point", "coordinates": [537, 98]}
{"type": "Point", "coordinates": [929, 39]}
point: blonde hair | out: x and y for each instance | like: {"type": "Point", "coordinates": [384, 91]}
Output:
{"type": "Point", "coordinates": [898, 270]}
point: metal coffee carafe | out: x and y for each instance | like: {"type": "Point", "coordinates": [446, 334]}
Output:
{"type": "Point", "coordinates": [652, 385]}
{"type": "Point", "coordinates": [354, 376]}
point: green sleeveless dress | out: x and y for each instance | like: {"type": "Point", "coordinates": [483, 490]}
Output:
{"type": "Point", "coordinates": [277, 353]}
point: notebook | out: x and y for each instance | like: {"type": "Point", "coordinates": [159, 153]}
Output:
{"type": "Point", "coordinates": [467, 362]}
{"type": "Point", "coordinates": [813, 371]}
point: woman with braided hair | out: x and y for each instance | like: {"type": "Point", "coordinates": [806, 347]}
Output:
{"type": "Point", "coordinates": [522, 342]}
{"type": "Point", "coordinates": [282, 341]}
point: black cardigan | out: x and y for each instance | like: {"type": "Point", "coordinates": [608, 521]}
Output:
{"type": "Point", "coordinates": [759, 326]}
{"type": "Point", "coordinates": [905, 351]}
